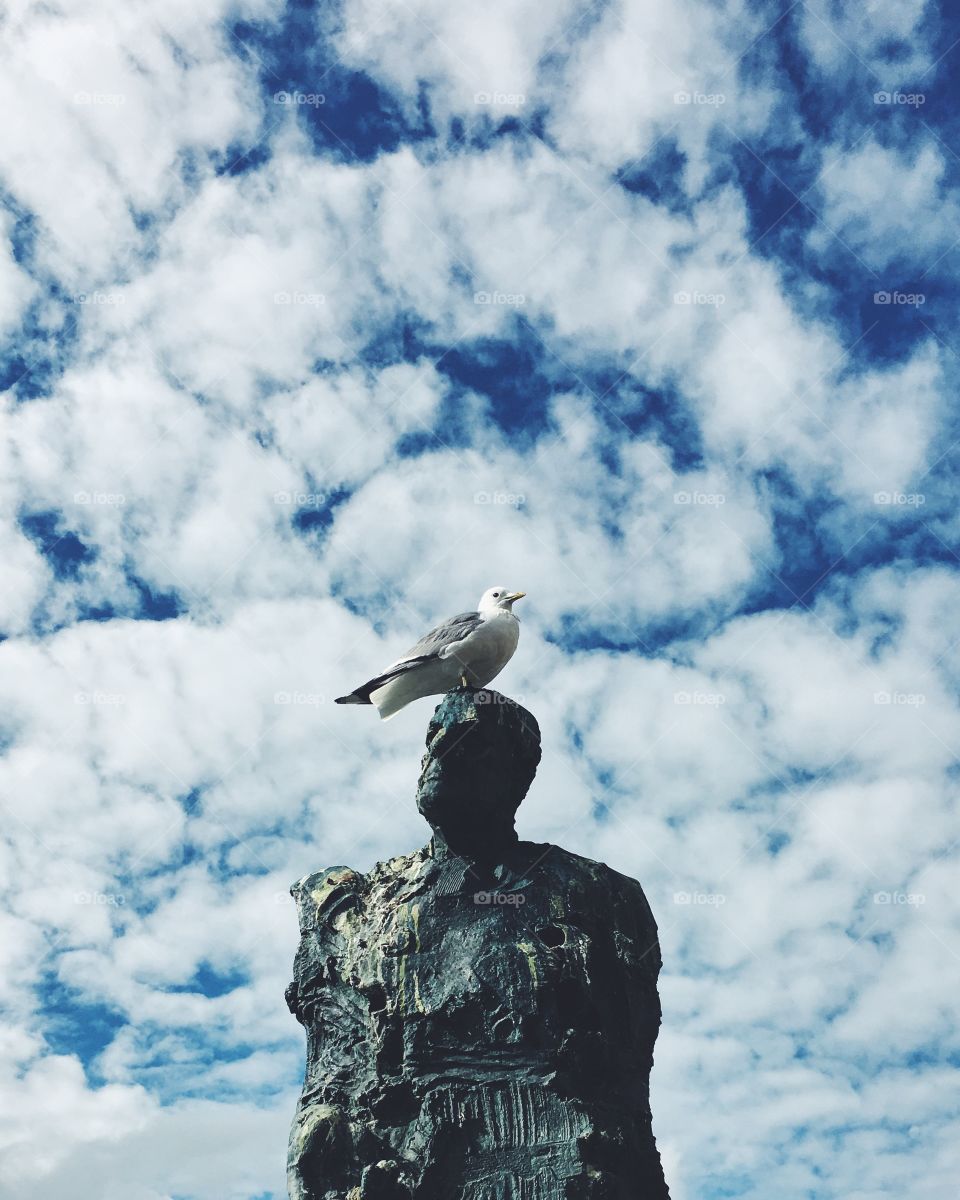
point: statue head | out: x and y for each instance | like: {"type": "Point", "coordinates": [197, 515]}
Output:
{"type": "Point", "coordinates": [482, 754]}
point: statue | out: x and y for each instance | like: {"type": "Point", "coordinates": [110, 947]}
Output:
{"type": "Point", "coordinates": [480, 1014]}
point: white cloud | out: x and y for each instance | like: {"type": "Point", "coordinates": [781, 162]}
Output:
{"type": "Point", "coordinates": [117, 104]}
{"type": "Point", "coordinates": [886, 204]}
{"type": "Point", "coordinates": [163, 781]}
{"type": "Point", "coordinates": [465, 55]}
{"type": "Point", "coordinates": [842, 39]}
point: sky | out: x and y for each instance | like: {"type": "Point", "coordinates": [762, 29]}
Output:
{"type": "Point", "coordinates": [316, 321]}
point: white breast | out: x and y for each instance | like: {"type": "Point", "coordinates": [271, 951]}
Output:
{"type": "Point", "coordinates": [487, 650]}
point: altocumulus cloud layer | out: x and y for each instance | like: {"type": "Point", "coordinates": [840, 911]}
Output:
{"type": "Point", "coordinates": [315, 321]}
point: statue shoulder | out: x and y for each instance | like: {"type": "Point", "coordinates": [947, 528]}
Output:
{"type": "Point", "coordinates": [575, 874]}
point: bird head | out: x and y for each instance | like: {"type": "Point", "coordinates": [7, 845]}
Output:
{"type": "Point", "coordinates": [498, 597]}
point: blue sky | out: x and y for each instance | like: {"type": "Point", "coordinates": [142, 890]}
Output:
{"type": "Point", "coordinates": [316, 321]}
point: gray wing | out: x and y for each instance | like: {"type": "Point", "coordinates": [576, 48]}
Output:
{"type": "Point", "coordinates": [446, 633]}
{"type": "Point", "coordinates": [427, 648]}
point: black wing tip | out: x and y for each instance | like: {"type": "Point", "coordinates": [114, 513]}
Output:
{"type": "Point", "coordinates": [362, 694]}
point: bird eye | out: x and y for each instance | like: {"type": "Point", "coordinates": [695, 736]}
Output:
{"type": "Point", "coordinates": [496, 595]}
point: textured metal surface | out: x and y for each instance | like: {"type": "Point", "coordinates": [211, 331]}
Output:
{"type": "Point", "coordinates": [478, 1027]}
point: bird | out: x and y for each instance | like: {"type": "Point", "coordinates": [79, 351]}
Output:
{"type": "Point", "coordinates": [467, 650]}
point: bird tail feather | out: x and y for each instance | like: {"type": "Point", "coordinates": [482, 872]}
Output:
{"type": "Point", "coordinates": [361, 695]}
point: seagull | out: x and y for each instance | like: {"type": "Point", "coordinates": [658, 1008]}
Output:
{"type": "Point", "coordinates": [467, 650]}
